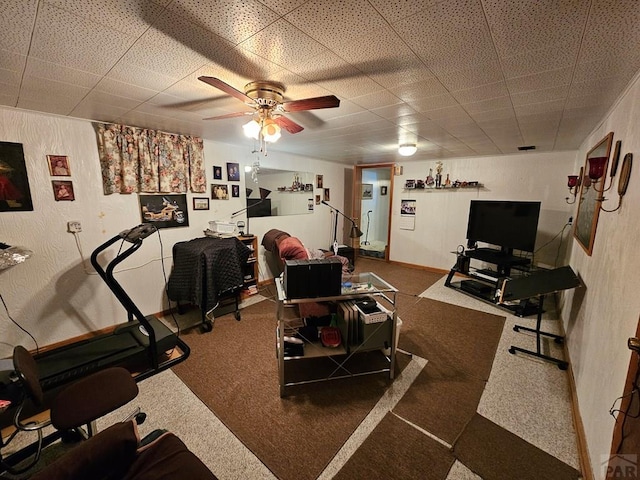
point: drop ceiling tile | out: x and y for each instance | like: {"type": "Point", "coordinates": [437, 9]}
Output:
{"type": "Point", "coordinates": [396, 10]}
{"type": "Point", "coordinates": [17, 19]}
{"type": "Point", "coordinates": [481, 92]}
{"type": "Point", "coordinates": [471, 77]}
{"type": "Point", "coordinates": [399, 113]}
{"type": "Point", "coordinates": [429, 104]}
{"type": "Point", "coordinates": [9, 78]}
{"type": "Point", "coordinates": [57, 29]}
{"type": "Point", "coordinates": [8, 99]}
{"type": "Point", "coordinates": [9, 87]}
{"type": "Point", "coordinates": [492, 115]}
{"type": "Point", "coordinates": [56, 105]}
{"type": "Point", "coordinates": [283, 7]}
{"type": "Point", "coordinates": [351, 87]}
{"type": "Point", "coordinates": [235, 20]}
{"type": "Point", "coordinates": [373, 100]}
{"type": "Point", "coordinates": [112, 99]}
{"type": "Point", "coordinates": [620, 66]}
{"type": "Point", "coordinates": [428, 86]}
{"type": "Point", "coordinates": [42, 69]}
{"type": "Point", "coordinates": [135, 75]}
{"type": "Point", "coordinates": [594, 101]}
{"type": "Point", "coordinates": [553, 78]}
{"type": "Point", "coordinates": [542, 107]}
{"type": "Point", "coordinates": [283, 44]}
{"type": "Point", "coordinates": [127, 90]}
{"type": "Point", "coordinates": [537, 25]}
{"type": "Point", "coordinates": [544, 95]}
{"type": "Point", "coordinates": [553, 57]}
{"type": "Point", "coordinates": [334, 22]}
{"type": "Point", "coordinates": [488, 105]}
{"type": "Point", "coordinates": [12, 61]}
{"type": "Point", "coordinates": [36, 87]}
{"type": "Point", "coordinates": [127, 16]}
{"type": "Point", "coordinates": [449, 36]}
{"type": "Point", "coordinates": [93, 110]}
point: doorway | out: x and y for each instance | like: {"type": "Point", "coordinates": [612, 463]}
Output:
{"type": "Point", "coordinates": [372, 200]}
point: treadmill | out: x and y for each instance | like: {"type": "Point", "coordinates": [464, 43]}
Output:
{"type": "Point", "coordinates": [136, 344]}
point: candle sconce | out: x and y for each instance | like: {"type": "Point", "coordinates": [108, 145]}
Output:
{"type": "Point", "coordinates": [574, 183]}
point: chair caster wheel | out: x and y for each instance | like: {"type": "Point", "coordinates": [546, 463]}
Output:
{"type": "Point", "coordinates": [140, 418]}
{"type": "Point", "coordinates": [207, 327]}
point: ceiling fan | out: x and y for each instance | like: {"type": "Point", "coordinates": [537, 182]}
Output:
{"type": "Point", "coordinates": [266, 98]}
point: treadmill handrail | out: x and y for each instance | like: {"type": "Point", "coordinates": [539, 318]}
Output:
{"type": "Point", "coordinates": [120, 293]}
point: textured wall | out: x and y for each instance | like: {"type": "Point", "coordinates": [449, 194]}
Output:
{"type": "Point", "coordinates": [601, 317]}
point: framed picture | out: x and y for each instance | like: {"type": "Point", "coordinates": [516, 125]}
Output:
{"type": "Point", "coordinates": [14, 183]}
{"type": "Point", "coordinates": [200, 203]}
{"type": "Point", "coordinates": [217, 173]}
{"type": "Point", "coordinates": [327, 197]}
{"type": "Point", "coordinates": [383, 190]}
{"type": "Point", "coordinates": [367, 190]}
{"type": "Point", "coordinates": [235, 190]}
{"type": "Point", "coordinates": [233, 172]}
{"type": "Point", "coordinates": [58, 165]}
{"type": "Point", "coordinates": [164, 211]}
{"type": "Point", "coordinates": [318, 181]}
{"type": "Point", "coordinates": [317, 199]}
{"type": "Point", "coordinates": [63, 190]}
{"type": "Point", "coordinates": [219, 191]}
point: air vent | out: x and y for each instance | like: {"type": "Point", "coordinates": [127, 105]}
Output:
{"type": "Point", "coordinates": [527, 147]}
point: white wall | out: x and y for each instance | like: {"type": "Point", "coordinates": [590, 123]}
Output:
{"type": "Point", "coordinates": [599, 318]}
{"type": "Point", "coordinates": [55, 295]}
{"type": "Point", "coordinates": [441, 215]}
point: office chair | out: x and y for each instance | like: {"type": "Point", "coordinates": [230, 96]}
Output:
{"type": "Point", "coordinates": [72, 407]}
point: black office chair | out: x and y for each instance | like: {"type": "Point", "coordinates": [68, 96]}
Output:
{"type": "Point", "coordinates": [74, 406]}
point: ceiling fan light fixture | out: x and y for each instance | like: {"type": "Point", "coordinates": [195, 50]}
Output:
{"type": "Point", "coordinates": [251, 129]}
{"type": "Point", "coordinates": [407, 149]}
{"type": "Point", "coordinates": [271, 131]}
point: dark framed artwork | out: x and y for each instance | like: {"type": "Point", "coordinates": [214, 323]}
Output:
{"type": "Point", "coordinates": [164, 211]}
{"type": "Point", "coordinates": [63, 190]}
{"type": "Point", "coordinates": [217, 173]}
{"type": "Point", "coordinates": [317, 199]}
{"type": "Point", "coordinates": [319, 181]}
{"type": "Point", "coordinates": [383, 190]}
{"type": "Point", "coordinates": [219, 191]}
{"type": "Point", "coordinates": [235, 190]}
{"type": "Point", "coordinates": [327, 196]}
{"type": "Point", "coordinates": [367, 190]}
{"type": "Point", "coordinates": [233, 172]}
{"type": "Point", "coordinates": [59, 165]}
{"type": "Point", "coordinates": [15, 195]}
{"type": "Point", "coordinates": [200, 203]}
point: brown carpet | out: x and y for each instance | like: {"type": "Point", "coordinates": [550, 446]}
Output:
{"type": "Point", "coordinates": [458, 340]}
{"type": "Point", "coordinates": [511, 456]}
{"type": "Point", "coordinates": [408, 280]}
{"type": "Point", "coordinates": [396, 450]}
{"type": "Point", "coordinates": [233, 370]}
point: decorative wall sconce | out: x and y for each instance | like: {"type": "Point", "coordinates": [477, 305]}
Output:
{"type": "Point", "coordinates": [597, 171]}
{"type": "Point", "coordinates": [574, 183]}
{"type": "Point", "coordinates": [623, 181]}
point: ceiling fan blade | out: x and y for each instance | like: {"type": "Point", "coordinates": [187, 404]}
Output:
{"type": "Point", "coordinates": [229, 115]}
{"type": "Point", "coordinates": [289, 125]}
{"type": "Point", "coordinates": [226, 88]}
{"type": "Point", "coordinates": [329, 101]}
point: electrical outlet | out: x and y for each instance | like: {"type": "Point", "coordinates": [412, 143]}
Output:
{"type": "Point", "coordinates": [74, 227]}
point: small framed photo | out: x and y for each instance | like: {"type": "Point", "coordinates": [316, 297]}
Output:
{"type": "Point", "coordinates": [235, 190]}
{"type": "Point", "coordinates": [58, 165]}
{"type": "Point", "coordinates": [327, 196]}
{"type": "Point", "coordinates": [63, 190]}
{"type": "Point", "coordinates": [319, 181]}
{"type": "Point", "coordinates": [233, 172]}
{"type": "Point", "coordinates": [219, 192]}
{"type": "Point", "coordinates": [383, 190]}
{"type": "Point", "coordinates": [317, 199]}
{"type": "Point", "coordinates": [367, 190]}
{"type": "Point", "coordinates": [200, 203]}
{"type": "Point", "coordinates": [217, 173]}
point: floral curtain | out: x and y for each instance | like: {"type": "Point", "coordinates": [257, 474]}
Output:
{"type": "Point", "coordinates": [140, 160]}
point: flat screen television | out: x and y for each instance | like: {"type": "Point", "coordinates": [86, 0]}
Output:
{"type": "Point", "coordinates": [258, 207]}
{"type": "Point", "coordinates": [507, 224]}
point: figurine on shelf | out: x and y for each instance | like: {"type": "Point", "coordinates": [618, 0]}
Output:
{"type": "Point", "coordinates": [447, 182]}
{"type": "Point", "coordinates": [438, 174]}
{"type": "Point", "coordinates": [430, 181]}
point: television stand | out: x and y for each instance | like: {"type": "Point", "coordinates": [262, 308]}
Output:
{"type": "Point", "coordinates": [484, 283]}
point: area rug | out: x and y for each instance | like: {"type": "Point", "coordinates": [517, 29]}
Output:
{"type": "Point", "coordinates": [233, 370]}
{"type": "Point", "coordinates": [386, 454]}
{"type": "Point", "coordinates": [511, 456]}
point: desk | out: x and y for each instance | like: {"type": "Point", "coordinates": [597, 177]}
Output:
{"type": "Point", "coordinates": [538, 285]}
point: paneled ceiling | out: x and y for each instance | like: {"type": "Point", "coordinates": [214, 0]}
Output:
{"type": "Point", "coordinates": [456, 77]}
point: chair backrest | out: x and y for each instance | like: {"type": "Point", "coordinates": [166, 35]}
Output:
{"type": "Point", "coordinates": [26, 368]}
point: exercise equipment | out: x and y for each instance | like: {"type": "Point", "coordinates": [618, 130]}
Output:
{"type": "Point", "coordinates": [136, 344]}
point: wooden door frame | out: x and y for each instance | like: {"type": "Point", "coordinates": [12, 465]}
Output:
{"type": "Point", "coordinates": [356, 200]}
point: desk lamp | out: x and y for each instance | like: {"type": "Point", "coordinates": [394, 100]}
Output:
{"type": "Point", "coordinates": [354, 233]}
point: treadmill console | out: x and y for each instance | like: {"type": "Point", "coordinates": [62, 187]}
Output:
{"type": "Point", "coordinates": [138, 233]}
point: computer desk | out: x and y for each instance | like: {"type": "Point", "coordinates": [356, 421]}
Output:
{"type": "Point", "coordinates": [539, 284]}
